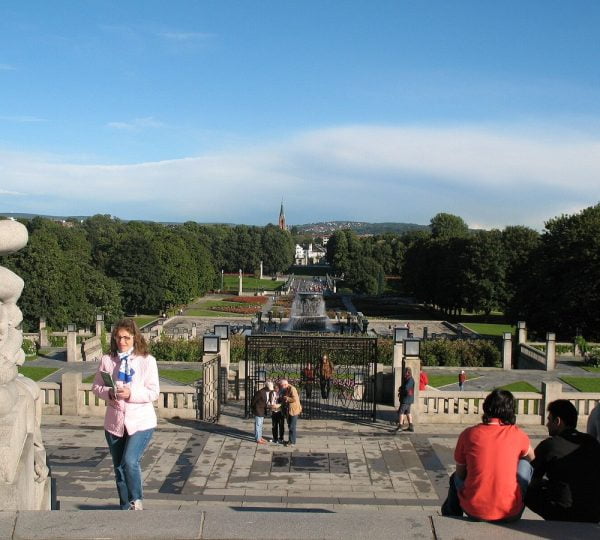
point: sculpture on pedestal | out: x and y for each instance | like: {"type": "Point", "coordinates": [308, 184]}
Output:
{"type": "Point", "coordinates": [24, 480]}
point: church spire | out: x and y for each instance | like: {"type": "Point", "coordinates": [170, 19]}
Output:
{"type": "Point", "coordinates": [282, 225]}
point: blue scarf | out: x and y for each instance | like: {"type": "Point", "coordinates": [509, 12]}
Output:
{"type": "Point", "coordinates": [126, 372]}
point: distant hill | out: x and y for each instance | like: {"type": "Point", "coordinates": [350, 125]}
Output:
{"type": "Point", "coordinates": [360, 227]}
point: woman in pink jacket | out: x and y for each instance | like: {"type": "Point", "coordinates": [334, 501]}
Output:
{"type": "Point", "coordinates": [130, 418]}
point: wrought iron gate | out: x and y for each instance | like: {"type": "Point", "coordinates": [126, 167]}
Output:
{"type": "Point", "coordinates": [208, 402]}
{"type": "Point", "coordinates": [349, 393]}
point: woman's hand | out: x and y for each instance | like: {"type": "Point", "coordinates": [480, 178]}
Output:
{"type": "Point", "coordinates": [123, 392]}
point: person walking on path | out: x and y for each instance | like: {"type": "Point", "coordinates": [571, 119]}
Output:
{"type": "Point", "coordinates": [566, 470]}
{"type": "Point", "coordinates": [308, 379]}
{"type": "Point", "coordinates": [423, 380]}
{"type": "Point", "coordinates": [406, 394]}
{"type": "Point", "coordinates": [325, 375]}
{"type": "Point", "coordinates": [462, 377]}
{"type": "Point", "coordinates": [293, 408]}
{"type": "Point", "coordinates": [258, 406]}
{"type": "Point", "coordinates": [492, 465]}
{"type": "Point", "coordinates": [130, 418]}
{"type": "Point", "coordinates": [277, 416]}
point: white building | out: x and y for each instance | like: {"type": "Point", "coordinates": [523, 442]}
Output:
{"type": "Point", "coordinates": [309, 254]}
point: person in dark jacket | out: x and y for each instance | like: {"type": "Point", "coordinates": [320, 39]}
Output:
{"type": "Point", "coordinates": [406, 394]}
{"type": "Point", "coordinates": [566, 470]}
{"type": "Point", "coordinates": [258, 406]}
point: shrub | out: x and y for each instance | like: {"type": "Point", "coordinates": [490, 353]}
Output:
{"type": "Point", "coordinates": [29, 347]}
{"type": "Point", "coordinates": [177, 350]}
{"type": "Point", "coordinates": [592, 357]}
{"type": "Point", "coordinates": [468, 353]}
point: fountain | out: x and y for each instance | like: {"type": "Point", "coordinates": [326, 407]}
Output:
{"type": "Point", "coordinates": [308, 313]}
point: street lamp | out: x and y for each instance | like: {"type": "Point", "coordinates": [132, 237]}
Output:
{"type": "Point", "coordinates": [412, 347]}
{"type": "Point", "coordinates": [221, 330]}
{"type": "Point", "coordinates": [211, 344]}
{"type": "Point", "coordinates": [400, 334]}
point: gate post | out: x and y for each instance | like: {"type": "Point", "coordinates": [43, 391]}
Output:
{"type": "Point", "coordinates": [397, 367]}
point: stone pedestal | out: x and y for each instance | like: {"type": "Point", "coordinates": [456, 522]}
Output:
{"type": "Point", "coordinates": [72, 355]}
{"type": "Point", "coordinates": [522, 332]}
{"type": "Point", "coordinates": [550, 351]}
{"type": "Point", "coordinates": [225, 353]}
{"type": "Point", "coordinates": [43, 334]}
{"type": "Point", "coordinates": [507, 351]}
{"type": "Point", "coordinates": [24, 480]}
{"type": "Point", "coordinates": [240, 284]}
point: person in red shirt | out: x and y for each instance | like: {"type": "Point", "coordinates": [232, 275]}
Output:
{"type": "Point", "coordinates": [462, 377]}
{"type": "Point", "coordinates": [423, 380]}
{"type": "Point", "coordinates": [493, 466]}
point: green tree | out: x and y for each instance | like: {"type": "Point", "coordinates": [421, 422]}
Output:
{"type": "Point", "coordinates": [445, 225]}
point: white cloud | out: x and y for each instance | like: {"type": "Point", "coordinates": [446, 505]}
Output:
{"type": "Point", "coordinates": [368, 173]}
{"type": "Point", "coordinates": [7, 67]}
{"type": "Point", "coordinates": [137, 124]}
{"type": "Point", "coordinates": [186, 36]}
{"type": "Point", "coordinates": [22, 119]}
{"type": "Point", "coordinates": [6, 192]}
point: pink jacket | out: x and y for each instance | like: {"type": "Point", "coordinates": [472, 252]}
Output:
{"type": "Point", "coordinates": [137, 413]}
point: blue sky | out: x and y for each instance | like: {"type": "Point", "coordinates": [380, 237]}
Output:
{"type": "Point", "coordinates": [214, 111]}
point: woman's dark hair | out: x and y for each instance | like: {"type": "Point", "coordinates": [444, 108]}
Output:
{"type": "Point", "coordinates": [140, 347]}
{"type": "Point", "coordinates": [499, 404]}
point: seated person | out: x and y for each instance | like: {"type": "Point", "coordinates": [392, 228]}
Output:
{"type": "Point", "coordinates": [566, 470]}
{"type": "Point", "coordinates": [492, 465]}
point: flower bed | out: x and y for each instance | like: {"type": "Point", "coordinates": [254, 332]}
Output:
{"type": "Point", "coordinates": [257, 300]}
{"type": "Point", "coordinates": [241, 310]}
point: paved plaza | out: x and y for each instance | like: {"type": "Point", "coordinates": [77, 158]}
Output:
{"type": "Point", "coordinates": [335, 464]}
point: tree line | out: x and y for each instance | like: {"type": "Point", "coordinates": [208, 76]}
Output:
{"type": "Point", "coordinates": [550, 279]}
{"type": "Point", "coordinates": [74, 270]}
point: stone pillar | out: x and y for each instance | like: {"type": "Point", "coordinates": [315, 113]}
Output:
{"type": "Point", "coordinates": [397, 367]}
{"type": "Point", "coordinates": [550, 351]}
{"type": "Point", "coordinates": [225, 352]}
{"type": "Point", "coordinates": [551, 391]}
{"type": "Point", "coordinates": [99, 324]}
{"type": "Point", "coordinates": [71, 345]}
{"type": "Point", "coordinates": [261, 270]}
{"type": "Point", "coordinates": [507, 351]}
{"type": "Point", "coordinates": [194, 331]}
{"type": "Point", "coordinates": [240, 284]}
{"type": "Point", "coordinates": [522, 335]}
{"type": "Point", "coordinates": [69, 403]}
{"type": "Point", "coordinates": [425, 332]}
{"type": "Point", "coordinates": [43, 333]}
{"type": "Point", "coordinates": [24, 480]}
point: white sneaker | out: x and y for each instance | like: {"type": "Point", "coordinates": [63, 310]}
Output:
{"type": "Point", "coordinates": [136, 505]}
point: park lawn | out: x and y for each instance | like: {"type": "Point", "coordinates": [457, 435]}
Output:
{"type": "Point", "coordinates": [231, 283]}
{"type": "Point", "coordinates": [143, 320]}
{"type": "Point", "coordinates": [89, 379]}
{"type": "Point", "coordinates": [592, 369]}
{"type": "Point", "coordinates": [184, 376]}
{"type": "Point", "coordinates": [36, 373]}
{"type": "Point", "coordinates": [520, 386]}
{"type": "Point", "coordinates": [486, 329]}
{"type": "Point", "coordinates": [583, 384]}
{"type": "Point", "coordinates": [442, 380]}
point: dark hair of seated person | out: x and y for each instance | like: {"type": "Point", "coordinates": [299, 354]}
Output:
{"type": "Point", "coordinates": [565, 410]}
{"type": "Point", "coordinates": [499, 404]}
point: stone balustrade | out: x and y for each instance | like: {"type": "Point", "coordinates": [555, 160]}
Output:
{"type": "Point", "coordinates": [74, 397]}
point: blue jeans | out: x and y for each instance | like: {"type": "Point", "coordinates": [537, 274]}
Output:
{"type": "Point", "coordinates": [127, 452]}
{"type": "Point", "coordinates": [451, 506]}
{"type": "Point", "coordinates": [291, 422]}
{"type": "Point", "coordinates": [258, 427]}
